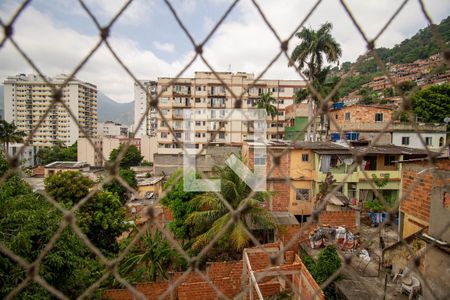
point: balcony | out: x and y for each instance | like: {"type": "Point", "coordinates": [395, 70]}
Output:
{"type": "Point", "coordinates": [181, 104]}
{"type": "Point", "coordinates": [177, 116]}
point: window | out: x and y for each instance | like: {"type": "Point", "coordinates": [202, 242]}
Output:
{"type": "Point", "coordinates": [221, 135]}
{"type": "Point", "coordinates": [337, 116]}
{"type": "Point", "coordinates": [199, 88]}
{"type": "Point", "coordinates": [302, 194]}
{"type": "Point", "coordinates": [178, 135]}
{"type": "Point", "coordinates": [197, 134]}
{"type": "Point", "coordinates": [379, 117]}
{"type": "Point", "coordinates": [163, 135]}
{"type": "Point", "coordinates": [305, 157]}
{"type": "Point", "coordinates": [347, 116]}
{"type": "Point", "coordinates": [260, 160]}
{"type": "Point", "coordinates": [197, 100]}
{"type": "Point", "coordinates": [281, 113]}
{"type": "Point", "coordinates": [198, 123]}
{"type": "Point", "coordinates": [389, 160]}
{"type": "Point", "coordinates": [441, 141]}
{"type": "Point", "coordinates": [405, 140]}
{"type": "Point", "coordinates": [429, 140]}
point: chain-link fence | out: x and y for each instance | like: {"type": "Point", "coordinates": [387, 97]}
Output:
{"type": "Point", "coordinates": [193, 263]}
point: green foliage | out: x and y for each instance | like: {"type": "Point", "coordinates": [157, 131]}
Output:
{"type": "Point", "coordinates": [314, 49]}
{"type": "Point", "coordinates": [68, 187]}
{"type": "Point", "coordinates": [102, 219]}
{"type": "Point", "coordinates": [407, 86]}
{"type": "Point", "coordinates": [131, 158]}
{"type": "Point", "coordinates": [211, 215]}
{"type": "Point", "coordinates": [27, 222]}
{"type": "Point", "coordinates": [353, 83]}
{"type": "Point", "coordinates": [327, 263]}
{"type": "Point", "coordinates": [10, 134]}
{"type": "Point", "coordinates": [57, 153]}
{"type": "Point", "coordinates": [150, 259]}
{"type": "Point", "coordinates": [432, 104]}
{"type": "Point", "coordinates": [376, 205]}
{"type": "Point", "coordinates": [147, 163]}
{"type": "Point", "coordinates": [301, 95]}
{"type": "Point", "coordinates": [115, 187]}
{"type": "Point", "coordinates": [178, 201]}
{"type": "Point", "coordinates": [267, 101]}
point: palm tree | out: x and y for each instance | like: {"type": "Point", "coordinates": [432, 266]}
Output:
{"type": "Point", "coordinates": [212, 215]}
{"type": "Point", "coordinates": [10, 134]}
{"type": "Point", "coordinates": [314, 48]}
{"type": "Point", "coordinates": [266, 102]}
{"type": "Point", "coordinates": [150, 259]}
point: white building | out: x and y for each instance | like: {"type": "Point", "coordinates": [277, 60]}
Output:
{"type": "Point", "coordinates": [434, 136]}
{"type": "Point", "coordinates": [27, 98]}
{"type": "Point", "coordinates": [149, 124]}
{"type": "Point", "coordinates": [112, 129]}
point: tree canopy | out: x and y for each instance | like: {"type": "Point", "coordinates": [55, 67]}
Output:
{"type": "Point", "coordinates": [102, 217]}
{"type": "Point", "coordinates": [131, 158]}
{"type": "Point", "coordinates": [178, 201]}
{"type": "Point", "coordinates": [27, 222]}
{"type": "Point", "coordinates": [57, 153]}
{"type": "Point", "coordinates": [10, 134]}
{"type": "Point", "coordinates": [115, 187]}
{"type": "Point", "coordinates": [432, 104]}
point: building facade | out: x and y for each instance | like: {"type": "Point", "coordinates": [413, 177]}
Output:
{"type": "Point", "coordinates": [206, 92]}
{"type": "Point", "coordinates": [296, 172]}
{"type": "Point", "coordinates": [374, 123]}
{"type": "Point", "coordinates": [112, 129]}
{"type": "Point", "coordinates": [149, 124]}
{"type": "Point", "coordinates": [27, 98]}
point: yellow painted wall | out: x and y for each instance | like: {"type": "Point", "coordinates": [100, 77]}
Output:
{"type": "Point", "coordinates": [298, 168]}
{"type": "Point", "coordinates": [409, 227]}
{"type": "Point", "coordinates": [298, 207]}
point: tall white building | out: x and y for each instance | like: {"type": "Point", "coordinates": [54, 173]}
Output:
{"type": "Point", "coordinates": [27, 98]}
{"type": "Point", "coordinates": [149, 124]}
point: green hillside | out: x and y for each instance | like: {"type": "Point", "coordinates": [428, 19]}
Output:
{"type": "Point", "coordinates": [419, 46]}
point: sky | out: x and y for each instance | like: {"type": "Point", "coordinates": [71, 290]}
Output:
{"type": "Point", "coordinates": [58, 34]}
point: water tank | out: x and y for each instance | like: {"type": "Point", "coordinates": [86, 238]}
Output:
{"type": "Point", "coordinates": [338, 105]}
{"type": "Point", "coordinates": [352, 136]}
{"type": "Point", "coordinates": [335, 136]}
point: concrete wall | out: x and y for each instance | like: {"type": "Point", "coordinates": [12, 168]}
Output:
{"type": "Point", "coordinates": [414, 141]}
{"type": "Point", "coordinates": [149, 147]}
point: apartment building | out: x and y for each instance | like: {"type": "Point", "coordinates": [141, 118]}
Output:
{"type": "Point", "coordinates": [27, 98]}
{"type": "Point", "coordinates": [206, 92]}
{"type": "Point", "coordinates": [149, 124]}
{"type": "Point", "coordinates": [112, 129]}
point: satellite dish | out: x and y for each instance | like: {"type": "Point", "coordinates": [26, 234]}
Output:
{"type": "Point", "coordinates": [447, 120]}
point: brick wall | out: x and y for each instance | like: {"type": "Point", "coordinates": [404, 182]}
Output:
{"type": "Point", "coordinates": [346, 219]}
{"type": "Point", "coordinates": [151, 290]}
{"type": "Point", "coordinates": [228, 278]}
{"type": "Point", "coordinates": [417, 203]}
{"type": "Point", "coordinates": [361, 114]}
{"type": "Point", "coordinates": [280, 196]}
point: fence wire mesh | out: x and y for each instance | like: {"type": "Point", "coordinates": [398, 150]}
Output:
{"type": "Point", "coordinates": [111, 265]}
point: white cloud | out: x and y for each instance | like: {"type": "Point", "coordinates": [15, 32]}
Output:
{"type": "Point", "coordinates": [244, 42]}
{"type": "Point", "coordinates": [166, 47]}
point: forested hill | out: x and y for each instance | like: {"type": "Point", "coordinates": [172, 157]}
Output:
{"type": "Point", "coordinates": [419, 46]}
